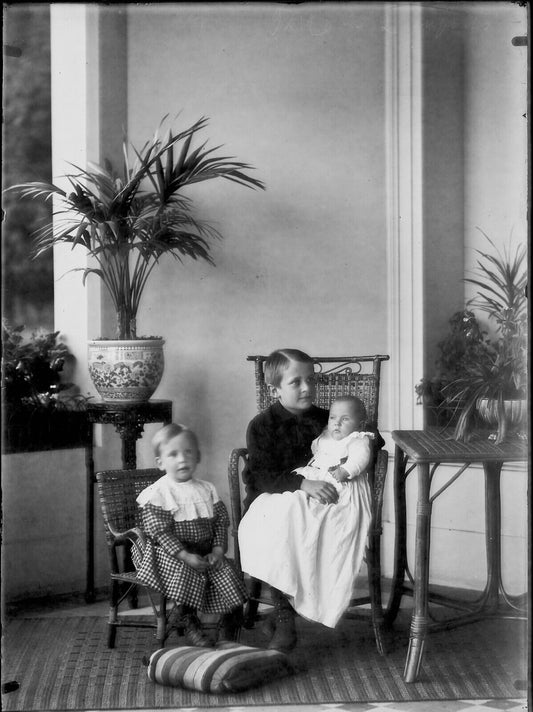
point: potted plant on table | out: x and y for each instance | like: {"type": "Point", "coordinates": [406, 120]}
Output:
{"type": "Point", "coordinates": [465, 343]}
{"type": "Point", "coordinates": [127, 221]}
{"type": "Point", "coordinates": [491, 379]}
{"type": "Point", "coordinates": [40, 410]}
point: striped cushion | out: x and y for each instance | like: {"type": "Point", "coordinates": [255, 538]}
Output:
{"type": "Point", "coordinates": [228, 668]}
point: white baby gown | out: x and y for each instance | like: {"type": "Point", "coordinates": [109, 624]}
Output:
{"type": "Point", "coordinates": [311, 551]}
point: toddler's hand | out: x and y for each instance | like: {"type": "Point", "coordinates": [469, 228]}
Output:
{"type": "Point", "coordinates": [195, 561]}
{"type": "Point", "coordinates": [215, 559]}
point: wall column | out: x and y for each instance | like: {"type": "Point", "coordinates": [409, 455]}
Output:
{"type": "Point", "coordinates": [89, 117]}
{"type": "Point", "coordinates": [403, 67]}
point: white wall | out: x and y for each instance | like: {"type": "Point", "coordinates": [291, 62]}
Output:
{"type": "Point", "coordinates": [44, 527]}
{"type": "Point", "coordinates": [496, 142]}
{"type": "Point", "coordinates": [303, 264]}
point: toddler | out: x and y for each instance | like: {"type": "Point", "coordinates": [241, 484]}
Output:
{"type": "Point", "coordinates": [186, 524]}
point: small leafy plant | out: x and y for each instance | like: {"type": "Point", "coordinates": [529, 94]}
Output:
{"type": "Point", "coordinates": [495, 367]}
{"type": "Point", "coordinates": [464, 344]}
{"type": "Point", "coordinates": [31, 367]}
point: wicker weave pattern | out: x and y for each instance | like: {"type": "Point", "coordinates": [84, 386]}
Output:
{"type": "Point", "coordinates": [335, 376]}
{"type": "Point", "coordinates": [118, 491]}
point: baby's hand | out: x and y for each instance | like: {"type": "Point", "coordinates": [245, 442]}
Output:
{"type": "Point", "coordinates": [340, 474]}
{"type": "Point", "coordinates": [195, 561]}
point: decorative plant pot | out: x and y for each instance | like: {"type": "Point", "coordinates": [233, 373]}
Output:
{"type": "Point", "coordinates": [126, 371]}
{"type": "Point", "coordinates": [514, 414]}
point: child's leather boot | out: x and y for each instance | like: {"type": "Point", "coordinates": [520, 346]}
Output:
{"type": "Point", "coordinates": [229, 626]}
{"type": "Point", "coordinates": [194, 634]}
{"type": "Point", "coordinates": [267, 627]}
{"type": "Point", "coordinates": [284, 638]}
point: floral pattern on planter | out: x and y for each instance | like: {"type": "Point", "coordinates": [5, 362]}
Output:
{"type": "Point", "coordinates": [126, 371]}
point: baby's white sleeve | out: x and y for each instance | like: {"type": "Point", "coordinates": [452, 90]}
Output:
{"type": "Point", "coordinates": [359, 455]}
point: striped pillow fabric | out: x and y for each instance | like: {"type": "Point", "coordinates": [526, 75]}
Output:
{"type": "Point", "coordinates": [231, 667]}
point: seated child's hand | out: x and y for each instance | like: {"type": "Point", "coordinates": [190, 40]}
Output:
{"type": "Point", "coordinates": [215, 558]}
{"type": "Point", "coordinates": [195, 561]}
{"type": "Point", "coordinates": [324, 492]}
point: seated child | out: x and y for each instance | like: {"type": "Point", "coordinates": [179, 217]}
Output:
{"type": "Point", "coordinates": [306, 526]}
{"type": "Point", "coordinates": [186, 525]}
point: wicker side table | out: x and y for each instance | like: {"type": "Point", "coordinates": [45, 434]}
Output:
{"type": "Point", "coordinates": [424, 451]}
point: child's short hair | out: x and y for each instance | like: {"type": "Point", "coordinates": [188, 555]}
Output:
{"type": "Point", "coordinates": [279, 361]}
{"type": "Point", "coordinates": [167, 432]}
{"type": "Point", "coordinates": [359, 408]}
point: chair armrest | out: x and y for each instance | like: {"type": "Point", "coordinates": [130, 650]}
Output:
{"type": "Point", "coordinates": [133, 535]}
{"type": "Point", "coordinates": [237, 461]}
{"type": "Point", "coordinates": [378, 487]}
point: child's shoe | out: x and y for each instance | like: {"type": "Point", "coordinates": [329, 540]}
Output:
{"type": "Point", "coordinates": [267, 627]}
{"type": "Point", "coordinates": [284, 638]}
{"type": "Point", "coordinates": [194, 634]}
{"type": "Point", "coordinates": [229, 626]}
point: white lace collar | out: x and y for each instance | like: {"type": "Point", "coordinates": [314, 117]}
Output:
{"type": "Point", "coordinates": [193, 499]}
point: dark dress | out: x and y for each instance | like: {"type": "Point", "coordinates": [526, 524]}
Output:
{"type": "Point", "coordinates": [278, 442]}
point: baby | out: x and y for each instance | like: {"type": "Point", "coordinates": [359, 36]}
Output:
{"type": "Point", "coordinates": [342, 451]}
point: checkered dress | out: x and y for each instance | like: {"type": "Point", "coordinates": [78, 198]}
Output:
{"type": "Point", "coordinates": [211, 591]}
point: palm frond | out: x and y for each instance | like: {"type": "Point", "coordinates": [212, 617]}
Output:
{"type": "Point", "coordinates": [128, 220]}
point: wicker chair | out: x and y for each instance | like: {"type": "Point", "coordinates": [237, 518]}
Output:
{"type": "Point", "coordinates": [336, 376]}
{"type": "Point", "coordinates": [118, 491]}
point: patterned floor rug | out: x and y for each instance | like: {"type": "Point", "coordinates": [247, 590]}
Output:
{"type": "Point", "coordinates": [64, 664]}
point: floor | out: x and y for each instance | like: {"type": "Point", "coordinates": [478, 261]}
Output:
{"type": "Point", "coordinates": [79, 608]}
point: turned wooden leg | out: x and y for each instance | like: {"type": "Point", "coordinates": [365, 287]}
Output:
{"type": "Point", "coordinates": [419, 621]}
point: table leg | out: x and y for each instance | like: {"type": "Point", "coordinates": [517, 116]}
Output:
{"type": "Point", "coordinates": [400, 538]}
{"type": "Point", "coordinates": [129, 452]}
{"type": "Point", "coordinates": [419, 620]}
{"type": "Point", "coordinates": [129, 434]}
{"type": "Point", "coordinates": [493, 534]}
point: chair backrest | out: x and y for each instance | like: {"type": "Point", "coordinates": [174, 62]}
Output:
{"type": "Point", "coordinates": [118, 491]}
{"type": "Point", "coordinates": [335, 376]}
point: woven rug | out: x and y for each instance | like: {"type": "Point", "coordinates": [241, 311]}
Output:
{"type": "Point", "coordinates": [64, 664]}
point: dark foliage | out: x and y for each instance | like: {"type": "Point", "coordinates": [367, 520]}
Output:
{"type": "Point", "coordinates": [27, 285]}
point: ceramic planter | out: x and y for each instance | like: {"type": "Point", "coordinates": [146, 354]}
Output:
{"type": "Point", "coordinates": [514, 414]}
{"type": "Point", "coordinates": [126, 371]}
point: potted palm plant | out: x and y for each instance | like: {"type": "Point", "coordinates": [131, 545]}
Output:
{"type": "Point", "coordinates": [493, 385]}
{"type": "Point", "coordinates": [127, 221]}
